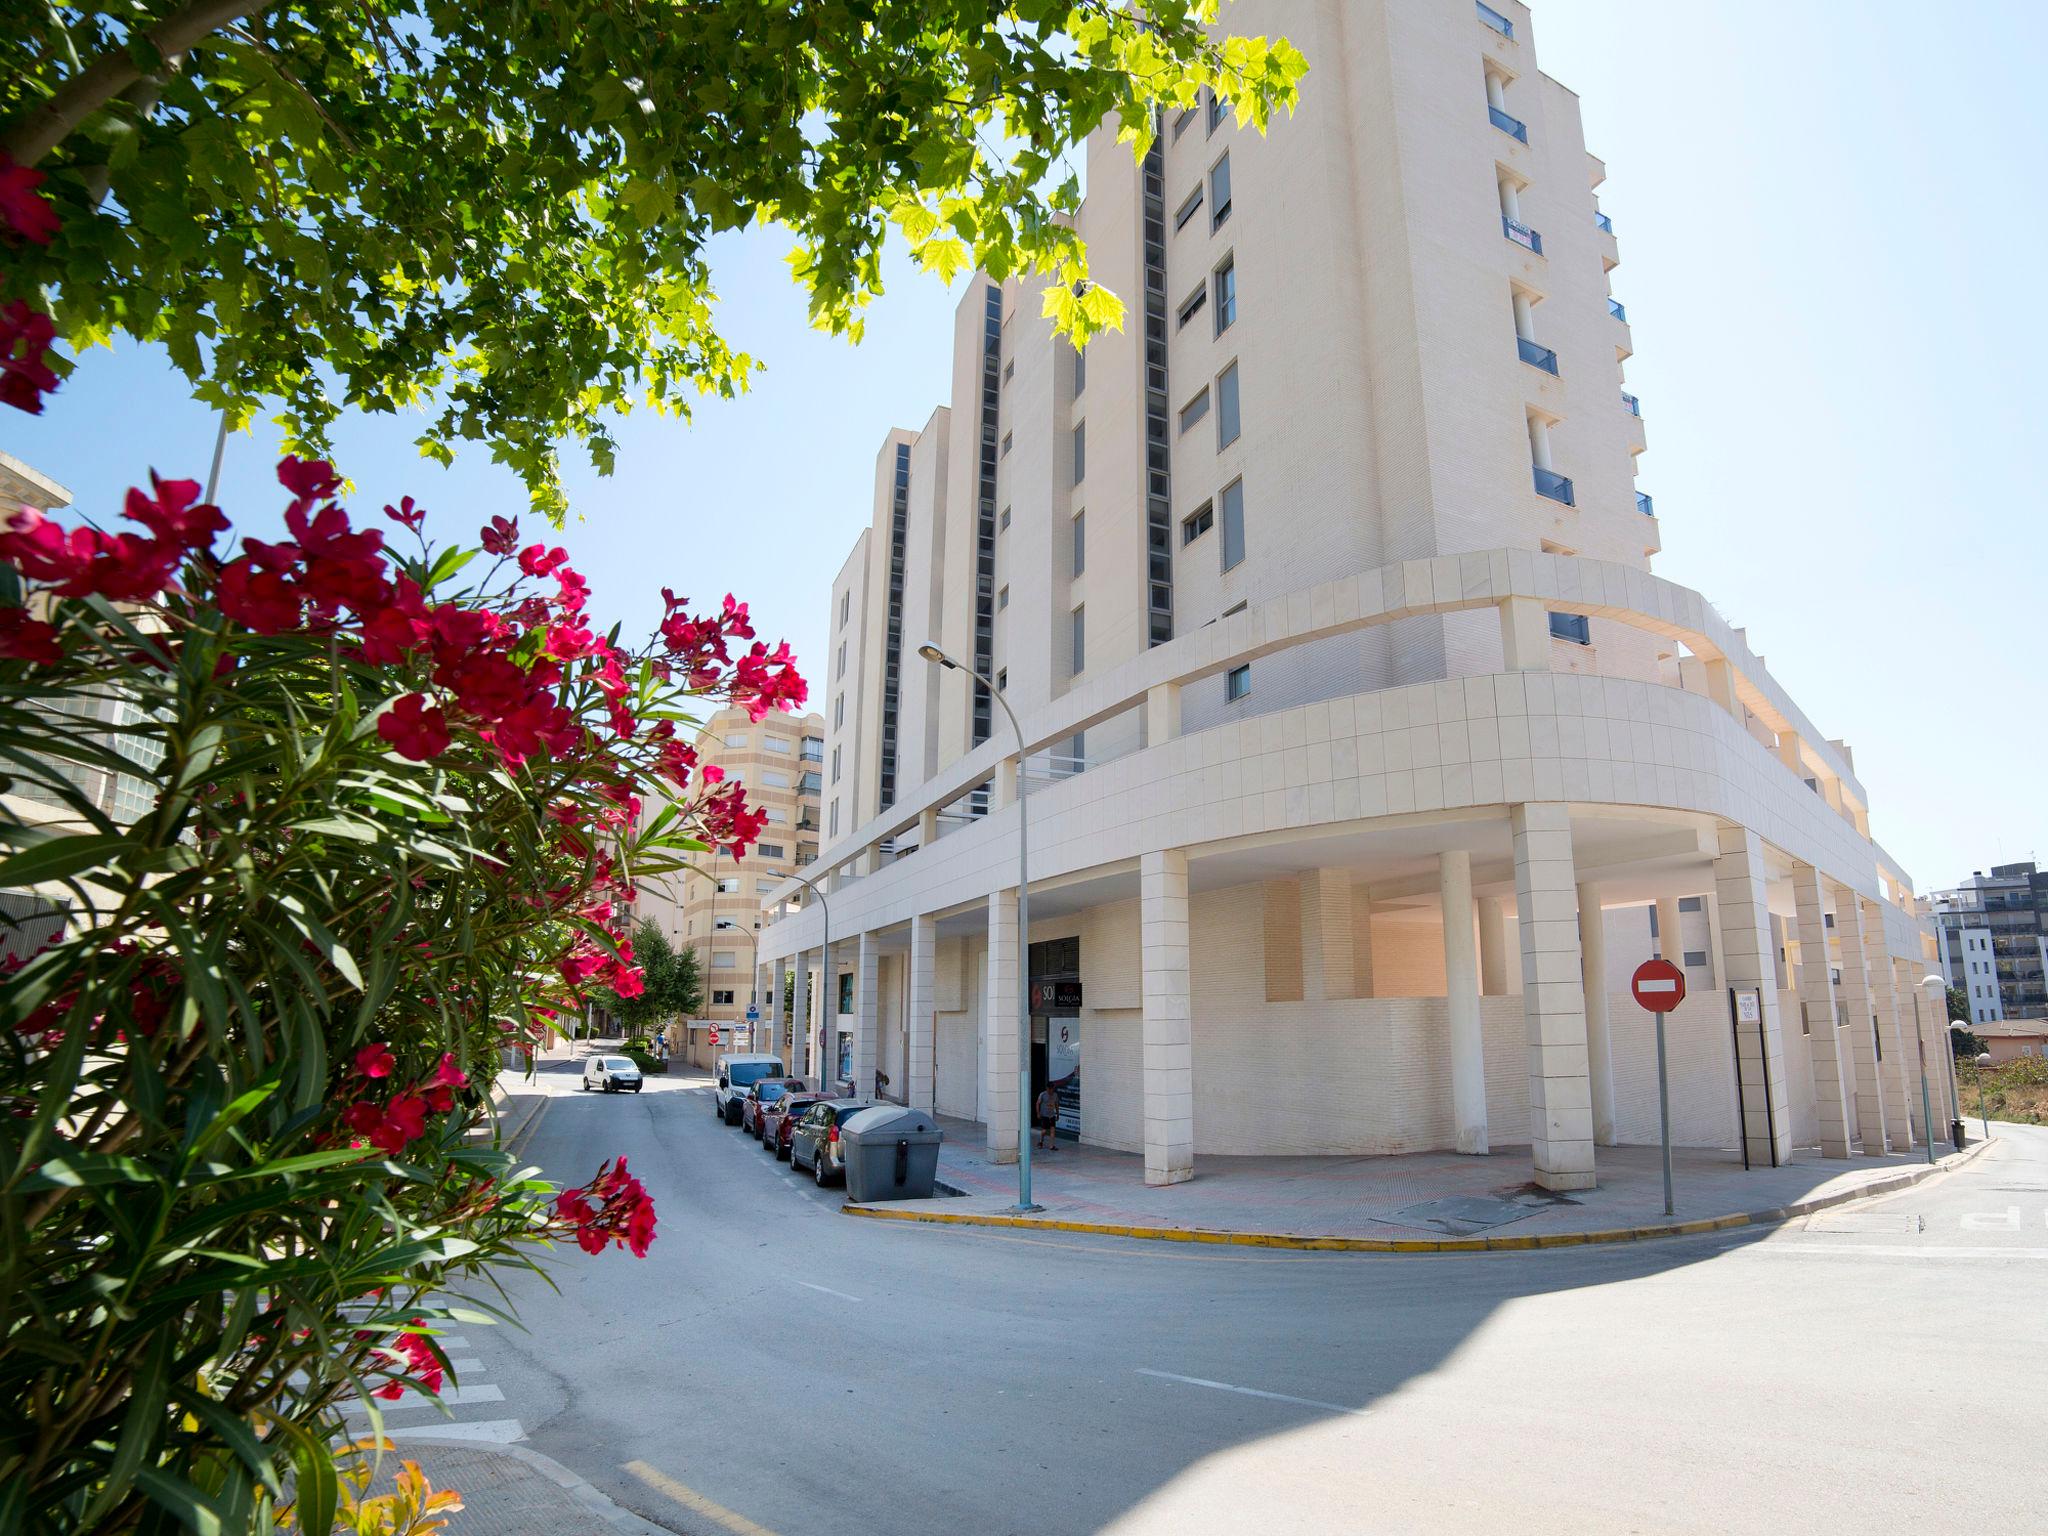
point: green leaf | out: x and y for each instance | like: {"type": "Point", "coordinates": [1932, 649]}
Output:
{"type": "Point", "coordinates": [59, 857]}
{"type": "Point", "coordinates": [193, 1509]}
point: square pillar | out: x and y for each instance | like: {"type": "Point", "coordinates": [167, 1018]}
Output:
{"type": "Point", "coordinates": [1524, 635]}
{"type": "Point", "coordinates": [1833, 1076]}
{"type": "Point", "coordinates": [1328, 969]}
{"type": "Point", "coordinates": [1162, 713]}
{"type": "Point", "coordinates": [1461, 1002]}
{"type": "Point", "coordinates": [1861, 1009]}
{"type": "Point", "coordinates": [999, 1030]}
{"type": "Point", "coordinates": [1750, 957]}
{"type": "Point", "coordinates": [1493, 947]}
{"type": "Point", "coordinates": [1169, 1068]}
{"type": "Point", "coordinates": [867, 1009]}
{"type": "Point", "coordinates": [1553, 996]}
{"type": "Point", "coordinates": [1897, 1073]}
{"type": "Point", "coordinates": [1720, 681]}
{"type": "Point", "coordinates": [1599, 1034]}
{"type": "Point", "coordinates": [1669, 943]}
{"type": "Point", "coordinates": [919, 1043]}
{"type": "Point", "coordinates": [800, 1017]}
{"type": "Point", "coordinates": [927, 826]}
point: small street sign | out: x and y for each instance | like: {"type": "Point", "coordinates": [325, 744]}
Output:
{"type": "Point", "coordinates": [753, 1013]}
{"type": "Point", "coordinates": [1658, 985]}
{"type": "Point", "coordinates": [714, 1034]}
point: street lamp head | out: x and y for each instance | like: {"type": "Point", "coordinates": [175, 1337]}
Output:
{"type": "Point", "coordinates": [931, 652]}
{"type": "Point", "coordinates": [1935, 984]}
{"type": "Point", "coordinates": [1984, 1059]}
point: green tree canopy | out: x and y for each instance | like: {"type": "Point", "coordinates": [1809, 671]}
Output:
{"type": "Point", "coordinates": [498, 212]}
{"type": "Point", "coordinates": [672, 985]}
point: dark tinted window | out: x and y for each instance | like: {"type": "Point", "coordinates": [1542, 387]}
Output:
{"type": "Point", "coordinates": [745, 1073]}
{"type": "Point", "coordinates": [768, 1093]}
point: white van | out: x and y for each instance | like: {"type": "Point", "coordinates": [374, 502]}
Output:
{"type": "Point", "coordinates": [736, 1074]}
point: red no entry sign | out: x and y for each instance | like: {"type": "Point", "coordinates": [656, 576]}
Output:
{"type": "Point", "coordinates": [1658, 985]}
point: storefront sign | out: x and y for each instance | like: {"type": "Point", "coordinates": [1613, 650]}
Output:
{"type": "Point", "coordinates": [1055, 996]}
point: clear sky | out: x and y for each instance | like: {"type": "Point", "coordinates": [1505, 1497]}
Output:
{"type": "Point", "coordinates": [1831, 241]}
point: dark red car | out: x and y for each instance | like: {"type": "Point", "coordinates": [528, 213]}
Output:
{"type": "Point", "coordinates": [764, 1095]}
{"type": "Point", "coordinates": [782, 1119]}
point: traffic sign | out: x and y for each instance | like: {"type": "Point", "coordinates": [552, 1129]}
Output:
{"type": "Point", "coordinates": [753, 1013]}
{"type": "Point", "coordinates": [714, 1034]}
{"type": "Point", "coordinates": [1658, 985]}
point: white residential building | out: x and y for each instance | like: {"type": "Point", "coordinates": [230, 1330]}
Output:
{"type": "Point", "coordinates": [1323, 593]}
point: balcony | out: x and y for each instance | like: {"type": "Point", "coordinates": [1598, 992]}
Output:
{"type": "Point", "coordinates": [1537, 356]}
{"type": "Point", "coordinates": [1618, 310]}
{"type": "Point", "coordinates": [1522, 235]}
{"type": "Point", "coordinates": [1631, 404]}
{"type": "Point", "coordinates": [1513, 127]}
{"type": "Point", "coordinates": [1571, 626]}
{"type": "Point", "coordinates": [1644, 505]}
{"type": "Point", "coordinates": [1550, 483]}
{"type": "Point", "coordinates": [1602, 222]}
{"type": "Point", "coordinates": [1495, 20]}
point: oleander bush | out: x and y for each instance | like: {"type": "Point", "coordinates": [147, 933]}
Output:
{"type": "Point", "coordinates": [390, 827]}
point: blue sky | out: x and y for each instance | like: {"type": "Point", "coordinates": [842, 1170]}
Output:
{"type": "Point", "coordinates": [1831, 251]}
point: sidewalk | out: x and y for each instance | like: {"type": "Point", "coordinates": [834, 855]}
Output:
{"type": "Point", "coordinates": [508, 1490]}
{"type": "Point", "coordinates": [1424, 1202]}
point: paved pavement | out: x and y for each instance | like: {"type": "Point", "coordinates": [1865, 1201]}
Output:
{"type": "Point", "coordinates": [774, 1368]}
{"type": "Point", "coordinates": [1423, 1195]}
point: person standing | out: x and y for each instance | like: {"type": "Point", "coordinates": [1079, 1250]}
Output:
{"type": "Point", "coordinates": [1046, 1116]}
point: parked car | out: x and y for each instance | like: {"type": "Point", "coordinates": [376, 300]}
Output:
{"type": "Point", "coordinates": [613, 1074]}
{"type": "Point", "coordinates": [736, 1074]}
{"type": "Point", "coordinates": [815, 1143]}
{"type": "Point", "coordinates": [768, 1091]}
{"type": "Point", "coordinates": [779, 1119]}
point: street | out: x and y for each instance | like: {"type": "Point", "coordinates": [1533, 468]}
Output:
{"type": "Point", "coordinates": [774, 1366]}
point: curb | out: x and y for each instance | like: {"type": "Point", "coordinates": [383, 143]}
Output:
{"type": "Point", "coordinates": [1890, 1184]}
{"type": "Point", "coordinates": [599, 1504]}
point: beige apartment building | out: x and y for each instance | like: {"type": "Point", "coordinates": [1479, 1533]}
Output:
{"type": "Point", "coordinates": [1364, 755]}
{"type": "Point", "coordinates": [715, 909]}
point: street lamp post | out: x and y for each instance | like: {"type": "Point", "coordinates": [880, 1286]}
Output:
{"type": "Point", "coordinates": [931, 652]}
{"type": "Point", "coordinates": [1920, 1039]}
{"type": "Point", "coordinates": [824, 975]}
{"type": "Point", "coordinates": [1983, 1119]}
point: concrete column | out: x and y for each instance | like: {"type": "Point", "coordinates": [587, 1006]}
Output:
{"type": "Point", "coordinates": [1715, 957]}
{"type": "Point", "coordinates": [1525, 319]}
{"type": "Point", "coordinates": [1510, 200]}
{"type": "Point", "coordinates": [1861, 1009]}
{"type": "Point", "coordinates": [1525, 635]}
{"type": "Point", "coordinates": [1002, 788]}
{"type": "Point", "coordinates": [1168, 1024]}
{"type": "Point", "coordinates": [1833, 1078]}
{"type": "Point", "coordinates": [1898, 1072]}
{"type": "Point", "coordinates": [1162, 713]}
{"type": "Point", "coordinates": [1789, 754]}
{"type": "Point", "coordinates": [1327, 967]}
{"type": "Point", "coordinates": [800, 1017]}
{"type": "Point", "coordinates": [1720, 680]}
{"type": "Point", "coordinates": [1461, 1002]}
{"type": "Point", "coordinates": [772, 1004]}
{"type": "Point", "coordinates": [919, 1043]}
{"type": "Point", "coordinates": [1493, 947]}
{"type": "Point", "coordinates": [927, 826]}
{"type": "Point", "coordinates": [1741, 892]}
{"type": "Point", "coordinates": [1539, 443]}
{"type": "Point", "coordinates": [1553, 997]}
{"type": "Point", "coordinates": [999, 1042]}
{"type": "Point", "coordinates": [1669, 943]}
{"type": "Point", "coordinates": [1599, 1033]}
{"type": "Point", "coordinates": [1496, 93]}
{"type": "Point", "coordinates": [867, 1011]}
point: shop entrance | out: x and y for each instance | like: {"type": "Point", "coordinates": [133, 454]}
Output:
{"type": "Point", "coordinates": [1056, 1028]}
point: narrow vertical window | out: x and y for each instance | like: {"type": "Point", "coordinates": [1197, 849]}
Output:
{"type": "Point", "coordinates": [1219, 193]}
{"type": "Point", "coordinates": [1237, 682]}
{"type": "Point", "coordinates": [1227, 427]}
{"type": "Point", "coordinates": [1080, 639]}
{"type": "Point", "coordinates": [1233, 524]}
{"type": "Point", "coordinates": [1080, 542]}
{"type": "Point", "coordinates": [1225, 283]}
{"type": "Point", "coordinates": [1080, 452]}
{"type": "Point", "coordinates": [1080, 371]}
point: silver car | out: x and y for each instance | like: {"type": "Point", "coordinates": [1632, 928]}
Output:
{"type": "Point", "coordinates": [815, 1143]}
{"type": "Point", "coordinates": [613, 1074]}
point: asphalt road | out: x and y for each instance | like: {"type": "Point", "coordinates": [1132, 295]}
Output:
{"type": "Point", "coordinates": [774, 1366]}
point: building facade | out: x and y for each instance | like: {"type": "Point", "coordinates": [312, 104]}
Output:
{"type": "Point", "coordinates": [1363, 753]}
{"type": "Point", "coordinates": [1994, 945]}
{"type": "Point", "coordinates": [715, 908]}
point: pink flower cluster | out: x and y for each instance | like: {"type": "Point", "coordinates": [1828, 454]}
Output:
{"type": "Point", "coordinates": [25, 334]}
{"type": "Point", "coordinates": [395, 1122]}
{"type": "Point", "coordinates": [614, 1207]}
{"type": "Point", "coordinates": [411, 1353]}
{"type": "Point", "coordinates": [760, 680]}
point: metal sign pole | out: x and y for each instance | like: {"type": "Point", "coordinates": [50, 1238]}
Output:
{"type": "Point", "coordinates": [1664, 1112]}
{"type": "Point", "coordinates": [1926, 1099]}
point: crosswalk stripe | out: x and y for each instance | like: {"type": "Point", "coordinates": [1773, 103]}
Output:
{"type": "Point", "coordinates": [453, 1397]}
{"type": "Point", "coordinates": [496, 1431]}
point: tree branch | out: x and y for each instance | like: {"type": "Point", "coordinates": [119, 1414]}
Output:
{"type": "Point", "coordinates": [43, 127]}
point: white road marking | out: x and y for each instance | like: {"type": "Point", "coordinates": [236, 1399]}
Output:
{"type": "Point", "coordinates": [496, 1431]}
{"type": "Point", "coordinates": [1893, 1251]}
{"type": "Point", "coordinates": [454, 1397]}
{"type": "Point", "coordinates": [827, 1290]}
{"type": "Point", "coordinates": [1278, 1397]}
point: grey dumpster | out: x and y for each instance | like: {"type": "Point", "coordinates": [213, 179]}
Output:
{"type": "Point", "coordinates": [891, 1154]}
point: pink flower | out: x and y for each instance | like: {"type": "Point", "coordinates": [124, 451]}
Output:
{"type": "Point", "coordinates": [539, 560]}
{"type": "Point", "coordinates": [415, 728]}
{"type": "Point", "coordinates": [375, 1060]}
{"type": "Point", "coordinates": [448, 1075]}
{"type": "Point", "coordinates": [23, 209]}
{"type": "Point", "coordinates": [500, 536]}
{"type": "Point", "coordinates": [25, 339]}
{"type": "Point", "coordinates": [407, 513]}
{"type": "Point", "coordinates": [25, 639]}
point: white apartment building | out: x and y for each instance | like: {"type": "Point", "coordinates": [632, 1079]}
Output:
{"type": "Point", "coordinates": [1363, 753]}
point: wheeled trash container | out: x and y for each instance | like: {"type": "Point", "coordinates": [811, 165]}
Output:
{"type": "Point", "coordinates": [891, 1153]}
